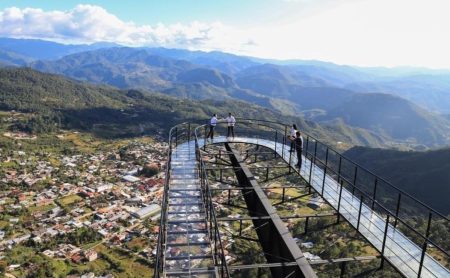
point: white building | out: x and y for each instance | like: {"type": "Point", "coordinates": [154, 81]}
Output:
{"type": "Point", "coordinates": [144, 212]}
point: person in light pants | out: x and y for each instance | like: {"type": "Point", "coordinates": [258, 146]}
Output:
{"type": "Point", "coordinates": [212, 126]}
{"type": "Point", "coordinates": [231, 121]}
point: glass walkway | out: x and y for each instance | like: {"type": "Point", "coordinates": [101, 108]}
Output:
{"type": "Point", "coordinates": [187, 246]}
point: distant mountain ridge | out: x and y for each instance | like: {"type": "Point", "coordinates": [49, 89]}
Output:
{"type": "Point", "coordinates": [35, 49]}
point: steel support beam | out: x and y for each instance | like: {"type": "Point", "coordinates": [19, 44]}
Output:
{"type": "Point", "coordinates": [295, 216]}
{"type": "Point", "coordinates": [274, 237]}
{"type": "Point", "coordinates": [313, 262]}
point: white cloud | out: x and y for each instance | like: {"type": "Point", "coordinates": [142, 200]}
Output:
{"type": "Point", "coordinates": [360, 32]}
{"type": "Point", "coordinates": [365, 32]}
{"type": "Point", "coordinates": [88, 23]}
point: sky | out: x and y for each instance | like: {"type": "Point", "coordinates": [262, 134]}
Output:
{"type": "Point", "coordinates": [353, 32]}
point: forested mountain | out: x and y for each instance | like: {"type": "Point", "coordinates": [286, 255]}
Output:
{"type": "Point", "coordinates": [428, 91]}
{"type": "Point", "coordinates": [110, 112]}
{"type": "Point", "coordinates": [423, 174]}
{"type": "Point", "coordinates": [391, 116]}
{"type": "Point", "coordinates": [319, 91]}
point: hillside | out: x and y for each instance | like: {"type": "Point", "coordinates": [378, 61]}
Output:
{"type": "Point", "coordinates": [425, 175]}
{"type": "Point", "coordinates": [392, 116]}
{"type": "Point", "coordinates": [110, 112]}
{"type": "Point", "coordinates": [430, 91]}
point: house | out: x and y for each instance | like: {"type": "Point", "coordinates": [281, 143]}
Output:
{"type": "Point", "coordinates": [130, 178]}
{"type": "Point", "coordinates": [144, 212]}
{"type": "Point", "coordinates": [90, 255]}
{"type": "Point", "coordinates": [76, 258]}
{"type": "Point", "coordinates": [49, 253]}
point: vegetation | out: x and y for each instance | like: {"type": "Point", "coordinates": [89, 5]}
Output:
{"type": "Point", "coordinates": [55, 102]}
{"type": "Point", "coordinates": [422, 174]}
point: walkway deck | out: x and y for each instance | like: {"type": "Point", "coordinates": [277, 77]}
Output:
{"type": "Point", "coordinates": [399, 250]}
{"type": "Point", "coordinates": [188, 248]}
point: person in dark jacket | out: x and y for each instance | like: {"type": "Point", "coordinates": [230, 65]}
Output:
{"type": "Point", "coordinates": [298, 142]}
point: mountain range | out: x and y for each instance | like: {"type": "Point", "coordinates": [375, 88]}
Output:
{"type": "Point", "coordinates": [403, 106]}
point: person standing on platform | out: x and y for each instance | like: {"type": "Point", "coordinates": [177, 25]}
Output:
{"type": "Point", "coordinates": [231, 121]}
{"type": "Point", "coordinates": [298, 142]}
{"type": "Point", "coordinates": [292, 135]}
{"type": "Point", "coordinates": [212, 126]}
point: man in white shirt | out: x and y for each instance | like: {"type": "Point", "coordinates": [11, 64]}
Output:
{"type": "Point", "coordinates": [231, 121]}
{"type": "Point", "coordinates": [212, 125]}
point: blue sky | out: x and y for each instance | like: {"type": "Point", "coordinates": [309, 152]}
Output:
{"type": "Point", "coordinates": [355, 32]}
{"type": "Point", "coordinates": [169, 11]}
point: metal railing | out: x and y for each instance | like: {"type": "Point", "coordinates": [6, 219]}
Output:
{"type": "Point", "coordinates": [178, 135]}
{"type": "Point", "coordinates": [214, 232]}
{"type": "Point", "coordinates": [398, 207]}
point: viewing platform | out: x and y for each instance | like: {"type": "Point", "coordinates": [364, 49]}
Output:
{"type": "Point", "coordinates": [190, 243]}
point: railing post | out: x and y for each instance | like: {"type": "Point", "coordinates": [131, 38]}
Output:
{"type": "Point", "coordinates": [189, 132]}
{"type": "Point", "coordinates": [425, 244]}
{"type": "Point", "coordinates": [310, 170]}
{"type": "Point", "coordinates": [384, 241]}
{"type": "Point", "coordinates": [176, 137]}
{"type": "Point", "coordinates": [359, 213]}
{"type": "Point", "coordinates": [307, 143]}
{"type": "Point", "coordinates": [342, 270]}
{"type": "Point", "coordinates": [315, 150]}
{"type": "Point", "coordinates": [290, 160]}
{"type": "Point", "coordinates": [306, 224]}
{"type": "Point", "coordinates": [374, 193]}
{"type": "Point", "coordinates": [397, 209]}
{"type": "Point", "coordinates": [339, 202]}
{"type": "Point", "coordinates": [204, 139]}
{"type": "Point", "coordinates": [339, 168]}
{"type": "Point", "coordinates": [276, 140]}
{"type": "Point", "coordinates": [354, 180]}
{"type": "Point", "coordinates": [324, 177]}
{"type": "Point", "coordinates": [284, 141]}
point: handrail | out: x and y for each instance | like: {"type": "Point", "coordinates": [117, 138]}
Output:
{"type": "Point", "coordinates": [315, 159]}
{"type": "Point", "coordinates": [282, 129]}
{"type": "Point", "coordinates": [161, 234]}
{"type": "Point", "coordinates": [361, 167]}
{"type": "Point", "coordinates": [212, 211]}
